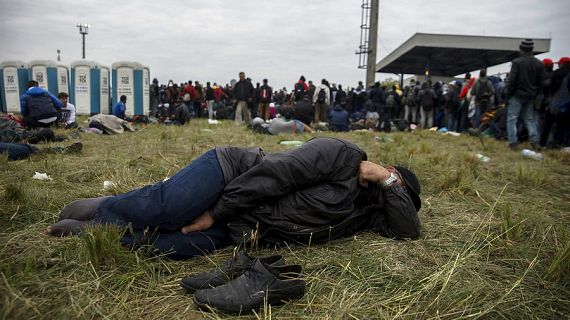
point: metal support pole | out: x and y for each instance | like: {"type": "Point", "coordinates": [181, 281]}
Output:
{"type": "Point", "coordinates": [83, 45]}
{"type": "Point", "coordinates": [372, 44]}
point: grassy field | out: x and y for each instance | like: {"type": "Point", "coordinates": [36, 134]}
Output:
{"type": "Point", "coordinates": [495, 238]}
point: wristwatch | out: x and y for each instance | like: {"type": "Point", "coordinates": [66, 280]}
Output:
{"type": "Point", "coordinates": [391, 179]}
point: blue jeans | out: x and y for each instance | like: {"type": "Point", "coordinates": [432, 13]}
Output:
{"type": "Point", "coordinates": [167, 206]}
{"type": "Point", "coordinates": [518, 106]}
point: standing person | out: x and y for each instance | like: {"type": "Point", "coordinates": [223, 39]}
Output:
{"type": "Point", "coordinates": [483, 92]}
{"type": "Point", "coordinates": [525, 80]}
{"type": "Point", "coordinates": [210, 100]}
{"type": "Point", "coordinates": [265, 95]}
{"type": "Point", "coordinates": [243, 92]}
{"type": "Point", "coordinates": [63, 97]}
{"type": "Point", "coordinates": [411, 108]}
{"type": "Point", "coordinates": [198, 99]}
{"type": "Point", "coordinates": [299, 89]}
{"type": "Point", "coordinates": [427, 98]}
{"type": "Point", "coordinates": [38, 107]}
{"type": "Point", "coordinates": [120, 108]}
{"type": "Point", "coordinates": [452, 106]}
{"type": "Point", "coordinates": [188, 94]}
{"type": "Point", "coordinates": [321, 100]}
{"type": "Point", "coordinates": [558, 112]}
{"type": "Point", "coordinates": [154, 98]}
{"type": "Point", "coordinates": [323, 190]}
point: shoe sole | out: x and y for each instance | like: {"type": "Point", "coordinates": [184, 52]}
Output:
{"type": "Point", "coordinates": [275, 300]}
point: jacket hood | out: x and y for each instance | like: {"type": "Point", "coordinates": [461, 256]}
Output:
{"type": "Point", "coordinates": [35, 91]}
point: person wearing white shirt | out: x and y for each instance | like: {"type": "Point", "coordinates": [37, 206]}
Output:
{"type": "Point", "coordinates": [71, 123]}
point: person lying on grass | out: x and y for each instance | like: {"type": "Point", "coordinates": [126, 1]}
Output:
{"type": "Point", "coordinates": [322, 190]}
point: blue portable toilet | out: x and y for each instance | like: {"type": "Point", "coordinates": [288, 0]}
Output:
{"type": "Point", "coordinates": [13, 84]}
{"type": "Point", "coordinates": [45, 72]}
{"type": "Point", "coordinates": [89, 87]}
{"type": "Point", "coordinates": [129, 79]}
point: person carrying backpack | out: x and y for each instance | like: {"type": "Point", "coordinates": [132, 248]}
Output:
{"type": "Point", "coordinates": [299, 89]}
{"type": "Point", "coordinates": [427, 98]}
{"type": "Point", "coordinates": [483, 92]}
{"type": "Point", "coordinates": [321, 100]}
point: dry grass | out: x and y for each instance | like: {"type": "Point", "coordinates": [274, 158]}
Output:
{"type": "Point", "coordinates": [495, 235]}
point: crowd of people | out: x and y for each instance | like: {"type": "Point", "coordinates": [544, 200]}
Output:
{"type": "Point", "coordinates": [523, 105]}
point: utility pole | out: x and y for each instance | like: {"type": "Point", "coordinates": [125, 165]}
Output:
{"type": "Point", "coordinates": [372, 44]}
{"type": "Point", "coordinates": [83, 29]}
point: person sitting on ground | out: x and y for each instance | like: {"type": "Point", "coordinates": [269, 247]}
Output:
{"type": "Point", "coordinates": [338, 119]}
{"type": "Point", "coordinates": [120, 108]}
{"type": "Point", "coordinates": [323, 190]}
{"type": "Point", "coordinates": [38, 107]}
{"type": "Point", "coordinates": [304, 110]}
{"type": "Point", "coordinates": [70, 122]}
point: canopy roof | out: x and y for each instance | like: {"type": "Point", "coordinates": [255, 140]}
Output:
{"type": "Point", "coordinates": [451, 55]}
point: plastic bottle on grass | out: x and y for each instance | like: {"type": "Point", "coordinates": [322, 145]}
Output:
{"type": "Point", "coordinates": [527, 153]}
{"type": "Point", "coordinates": [482, 158]}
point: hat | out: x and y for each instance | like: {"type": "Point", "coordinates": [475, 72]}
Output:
{"type": "Point", "coordinates": [547, 62]}
{"type": "Point", "coordinates": [527, 45]}
{"type": "Point", "coordinates": [563, 61]}
{"type": "Point", "coordinates": [412, 185]}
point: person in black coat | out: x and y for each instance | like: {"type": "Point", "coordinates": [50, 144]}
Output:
{"type": "Point", "coordinates": [322, 190]}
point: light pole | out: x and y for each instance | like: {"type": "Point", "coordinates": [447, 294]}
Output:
{"type": "Point", "coordinates": [83, 29]}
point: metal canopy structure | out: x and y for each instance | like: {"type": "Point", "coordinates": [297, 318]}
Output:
{"type": "Point", "coordinates": [451, 55]}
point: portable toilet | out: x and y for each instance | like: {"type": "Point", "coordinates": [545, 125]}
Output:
{"type": "Point", "coordinates": [45, 72]}
{"type": "Point", "coordinates": [89, 87]}
{"type": "Point", "coordinates": [146, 89]}
{"type": "Point", "coordinates": [105, 90]}
{"type": "Point", "coordinates": [13, 84]}
{"type": "Point", "coordinates": [129, 80]}
{"type": "Point", "coordinates": [62, 79]}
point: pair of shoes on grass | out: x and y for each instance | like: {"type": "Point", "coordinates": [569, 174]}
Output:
{"type": "Point", "coordinates": [246, 283]}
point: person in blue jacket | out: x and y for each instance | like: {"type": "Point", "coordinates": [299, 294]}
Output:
{"type": "Point", "coordinates": [39, 107]}
{"type": "Point", "coordinates": [120, 108]}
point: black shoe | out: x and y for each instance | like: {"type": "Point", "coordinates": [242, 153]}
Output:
{"type": "Point", "coordinates": [231, 269]}
{"type": "Point", "coordinates": [260, 282]}
{"type": "Point", "coordinates": [514, 146]}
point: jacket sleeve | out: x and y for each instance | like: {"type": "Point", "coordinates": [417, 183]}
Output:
{"type": "Point", "coordinates": [399, 218]}
{"type": "Point", "coordinates": [23, 106]}
{"type": "Point", "coordinates": [56, 102]}
{"type": "Point", "coordinates": [283, 173]}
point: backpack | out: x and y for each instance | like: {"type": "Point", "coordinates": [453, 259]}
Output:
{"type": "Point", "coordinates": [484, 91]}
{"type": "Point", "coordinates": [427, 100]}
{"type": "Point", "coordinates": [322, 96]}
{"type": "Point", "coordinates": [411, 98]}
{"type": "Point", "coordinates": [299, 91]}
{"type": "Point", "coordinates": [561, 100]}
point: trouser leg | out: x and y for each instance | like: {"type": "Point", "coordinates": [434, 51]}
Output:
{"type": "Point", "coordinates": [171, 204]}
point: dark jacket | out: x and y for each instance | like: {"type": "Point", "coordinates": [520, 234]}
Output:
{"type": "Point", "coordinates": [525, 78]}
{"type": "Point", "coordinates": [39, 103]}
{"type": "Point", "coordinates": [243, 90]}
{"type": "Point", "coordinates": [304, 112]}
{"type": "Point", "coordinates": [308, 194]}
{"type": "Point", "coordinates": [338, 119]}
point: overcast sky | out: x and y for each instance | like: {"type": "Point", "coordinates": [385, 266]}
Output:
{"type": "Point", "coordinates": [212, 40]}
